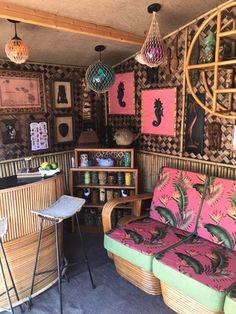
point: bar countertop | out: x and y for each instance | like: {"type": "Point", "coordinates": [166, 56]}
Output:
{"type": "Point", "coordinates": [13, 181]}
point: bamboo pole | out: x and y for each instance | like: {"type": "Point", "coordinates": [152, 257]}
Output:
{"type": "Point", "coordinates": [184, 94]}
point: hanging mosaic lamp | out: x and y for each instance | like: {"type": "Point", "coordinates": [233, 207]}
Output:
{"type": "Point", "coordinates": [16, 49]}
{"type": "Point", "coordinates": [99, 76]}
{"type": "Point", "coordinates": [153, 51]}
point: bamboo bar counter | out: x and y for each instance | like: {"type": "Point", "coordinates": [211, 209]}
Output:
{"type": "Point", "coordinates": [17, 198]}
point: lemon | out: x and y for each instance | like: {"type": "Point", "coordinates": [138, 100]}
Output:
{"type": "Point", "coordinates": [44, 165]}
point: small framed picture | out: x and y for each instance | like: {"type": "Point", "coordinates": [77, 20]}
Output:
{"type": "Point", "coordinates": [39, 136]}
{"type": "Point", "coordinates": [64, 129]}
{"type": "Point", "coordinates": [10, 130]}
{"type": "Point", "coordinates": [62, 94]}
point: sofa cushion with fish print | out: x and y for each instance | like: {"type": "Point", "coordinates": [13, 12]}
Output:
{"type": "Point", "coordinates": [138, 241]}
{"type": "Point", "coordinates": [230, 301]}
{"type": "Point", "coordinates": [177, 198]}
{"type": "Point", "coordinates": [200, 269]}
{"type": "Point", "coordinates": [217, 221]}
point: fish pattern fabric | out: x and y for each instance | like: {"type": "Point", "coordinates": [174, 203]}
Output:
{"type": "Point", "coordinates": [217, 221]}
{"type": "Point", "coordinates": [207, 262]}
{"type": "Point", "coordinates": [147, 236]}
{"type": "Point", "coordinates": [177, 196]}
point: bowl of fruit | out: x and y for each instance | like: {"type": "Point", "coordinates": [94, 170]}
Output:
{"type": "Point", "coordinates": [48, 169]}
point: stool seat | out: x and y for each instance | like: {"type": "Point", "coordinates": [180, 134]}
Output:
{"type": "Point", "coordinates": [3, 227]}
{"type": "Point", "coordinates": [65, 207]}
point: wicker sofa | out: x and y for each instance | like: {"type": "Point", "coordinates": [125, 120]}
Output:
{"type": "Point", "coordinates": [185, 248]}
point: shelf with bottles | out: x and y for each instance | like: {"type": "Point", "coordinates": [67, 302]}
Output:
{"type": "Point", "coordinates": [104, 157]}
{"type": "Point", "coordinates": [97, 183]}
{"type": "Point", "coordinates": [96, 198]}
{"type": "Point", "coordinates": [103, 178]}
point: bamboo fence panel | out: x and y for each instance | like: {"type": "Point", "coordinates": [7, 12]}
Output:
{"type": "Point", "coordinates": [149, 165]}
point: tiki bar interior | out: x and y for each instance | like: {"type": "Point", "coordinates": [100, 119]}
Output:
{"type": "Point", "coordinates": [118, 157]}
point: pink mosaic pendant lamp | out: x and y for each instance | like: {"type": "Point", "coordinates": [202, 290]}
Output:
{"type": "Point", "coordinates": [153, 51]}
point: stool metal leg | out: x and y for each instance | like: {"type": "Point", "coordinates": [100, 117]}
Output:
{"type": "Point", "coordinates": [58, 266]}
{"type": "Point", "coordinates": [36, 260]}
{"type": "Point", "coordinates": [10, 274]}
{"type": "Point", "coordinates": [6, 288]}
{"type": "Point", "coordinates": [84, 252]}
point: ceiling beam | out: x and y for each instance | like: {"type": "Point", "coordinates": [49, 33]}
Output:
{"type": "Point", "coordinates": [42, 18]}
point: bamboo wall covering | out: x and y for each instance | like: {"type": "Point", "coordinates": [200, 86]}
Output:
{"type": "Point", "coordinates": [20, 242]}
{"type": "Point", "coordinates": [149, 165]}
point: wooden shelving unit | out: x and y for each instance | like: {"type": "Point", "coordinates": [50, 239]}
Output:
{"type": "Point", "coordinates": [222, 32]}
{"type": "Point", "coordinates": [78, 187]}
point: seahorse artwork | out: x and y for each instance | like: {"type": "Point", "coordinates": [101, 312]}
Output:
{"type": "Point", "coordinates": [158, 112]}
{"type": "Point", "coordinates": [120, 94]}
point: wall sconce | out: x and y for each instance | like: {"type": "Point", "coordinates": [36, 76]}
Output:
{"type": "Point", "coordinates": [99, 76]}
{"type": "Point", "coordinates": [16, 49]}
{"type": "Point", "coordinates": [153, 51]}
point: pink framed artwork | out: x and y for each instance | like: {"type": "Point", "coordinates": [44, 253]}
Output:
{"type": "Point", "coordinates": [159, 111]}
{"type": "Point", "coordinates": [121, 95]}
{"type": "Point", "coordinates": [21, 92]}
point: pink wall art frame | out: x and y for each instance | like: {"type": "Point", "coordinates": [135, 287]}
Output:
{"type": "Point", "coordinates": [121, 95]}
{"type": "Point", "coordinates": [159, 111]}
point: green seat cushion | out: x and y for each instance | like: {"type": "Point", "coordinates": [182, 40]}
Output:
{"type": "Point", "coordinates": [230, 305]}
{"type": "Point", "coordinates": [133, 256]}
{"type": "Point", "coordinates": [230, 301]}
{"type": "Point", "coordinates": [212, 299]}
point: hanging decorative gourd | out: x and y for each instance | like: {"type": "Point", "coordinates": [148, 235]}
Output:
{"type": "Point", "coordinates": [153, 51]}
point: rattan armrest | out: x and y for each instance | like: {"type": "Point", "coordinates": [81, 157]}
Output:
{"type": "Point", "coordinates": [111, 205]}
{"type": "Point", "coordinates": [129, 218]}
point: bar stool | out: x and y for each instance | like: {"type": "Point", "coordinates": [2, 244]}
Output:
{"type": "Point", "coordinates": [3, 231]}
{"type": "Point", "coordinates": [65, 207]}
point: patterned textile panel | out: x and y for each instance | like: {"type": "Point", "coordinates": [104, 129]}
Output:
{"type": "Point", "coordinates": [208, 263]}
{"type": "Point", "coordinates": [217, 221]}
{"type": "Point", "coordinates": [177, 197]}
{"type": "Point", "coordinates": [147, 236]}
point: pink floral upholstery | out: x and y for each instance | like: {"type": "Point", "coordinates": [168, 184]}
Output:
{"type": "Point", "coordinates": [217, 221]}
{"type": "Point", "coordinates": [148, 236]}
{"type": "Point", "coordinates": [177, 197]}
{"type": "Point", "coordinates": [204, 261]}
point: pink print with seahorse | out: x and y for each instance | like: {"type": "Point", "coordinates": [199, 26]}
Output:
{"type": "Point", "coordinates": [159, 111]}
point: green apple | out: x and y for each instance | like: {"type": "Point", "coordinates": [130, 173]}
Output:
{"type": "Point", "coordinates": [54, 165]}
{"type": "Point", "coordinates": [48, 167]}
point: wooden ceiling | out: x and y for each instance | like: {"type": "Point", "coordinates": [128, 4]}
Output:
{"type": "Point", "coordinates": [66, 31]}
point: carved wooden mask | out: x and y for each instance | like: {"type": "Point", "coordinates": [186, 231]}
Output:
{"type": "Point", "coordinates": [214, 133]}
